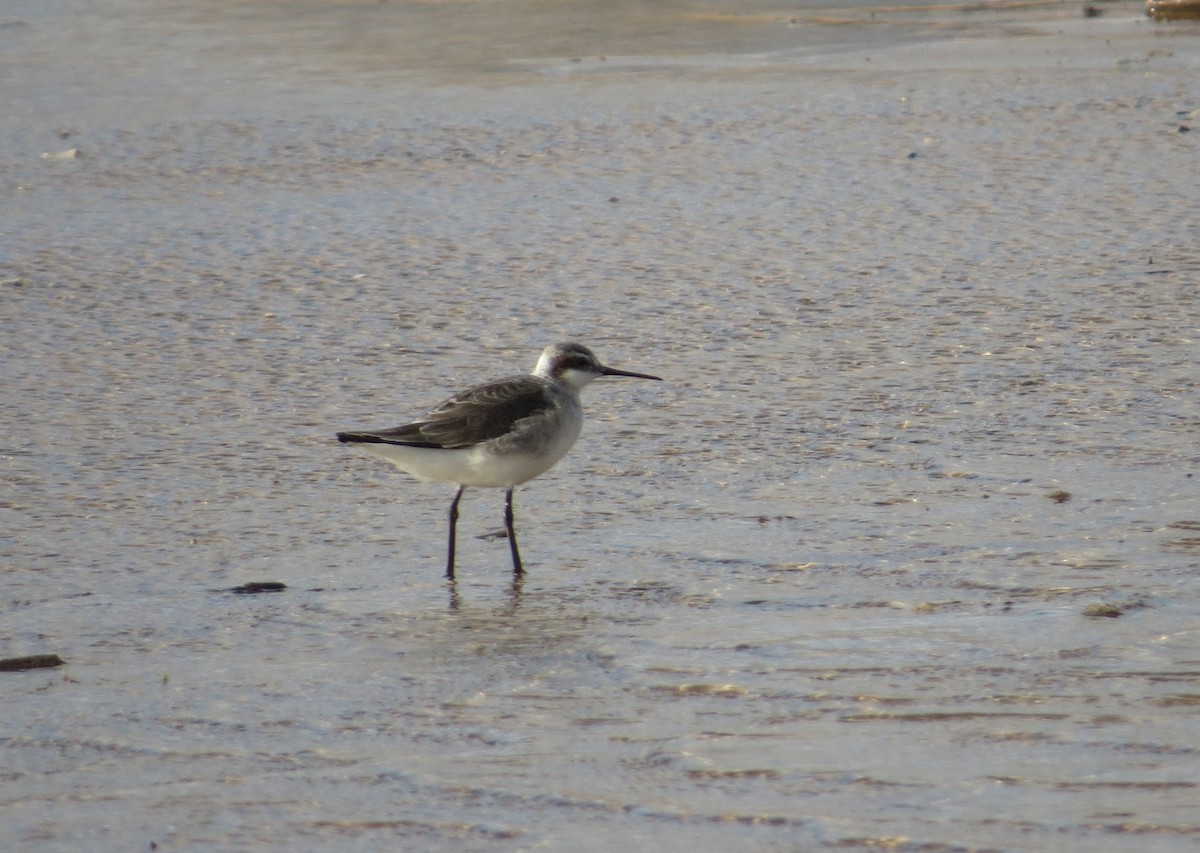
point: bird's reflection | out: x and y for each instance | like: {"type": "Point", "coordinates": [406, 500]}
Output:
{"type": "Point", "coordinates": [514, 594]}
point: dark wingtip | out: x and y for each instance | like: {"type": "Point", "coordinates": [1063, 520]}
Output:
{"type": "Point", "coordinates": [384, 438]}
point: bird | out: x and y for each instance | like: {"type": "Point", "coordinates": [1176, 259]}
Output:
{"type": "Point", "coordinates": [496, 435]}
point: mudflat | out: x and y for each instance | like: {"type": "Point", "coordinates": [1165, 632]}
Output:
{"type": "Point", "coordinates": [902, 553]}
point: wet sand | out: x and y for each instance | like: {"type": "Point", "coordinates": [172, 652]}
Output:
{"type": "Point", "coordinates": [922, 285]}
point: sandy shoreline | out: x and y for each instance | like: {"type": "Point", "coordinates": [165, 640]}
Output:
{"type": "Point", "coordinates": [131, 62]}
{"type": "Point", "coordinates": [902, 553]}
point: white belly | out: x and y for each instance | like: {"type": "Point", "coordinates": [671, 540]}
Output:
{"type": "Point", "coordinates": [495, 463]}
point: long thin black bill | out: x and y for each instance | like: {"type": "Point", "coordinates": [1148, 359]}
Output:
{"type": "Point", "coordinates": [612, 371]}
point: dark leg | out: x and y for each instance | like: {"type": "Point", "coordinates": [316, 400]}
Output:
{"type": "Point", "coordinates": [518, 569]}
{"type": "Point", "coordinates": [453, 525]}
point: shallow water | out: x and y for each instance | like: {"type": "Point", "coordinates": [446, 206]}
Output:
{"type": "Point", "coordinates": [928, 321]}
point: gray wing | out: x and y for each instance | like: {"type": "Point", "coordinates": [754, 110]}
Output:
{"type": "Point", "coordinates": [473, 416]}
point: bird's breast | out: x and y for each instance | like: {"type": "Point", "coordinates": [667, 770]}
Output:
{"type": "Point", "coordinates": [535, 444]}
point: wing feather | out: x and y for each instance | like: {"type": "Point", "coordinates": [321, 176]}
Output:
{"type": "Point", "coordinates": [476, 415]}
